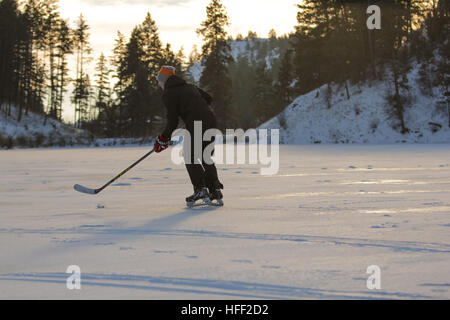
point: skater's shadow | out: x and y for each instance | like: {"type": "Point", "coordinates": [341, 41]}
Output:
{"type": "Point", "coordinates": [169, 222]}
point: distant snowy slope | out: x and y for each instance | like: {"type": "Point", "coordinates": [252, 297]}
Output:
{"type": "Point", "coordinates": [361, 119]}
{"type": "Point", "coordinates": [34, 130]}
{"type": "Point", "coordinates": [250, 48]}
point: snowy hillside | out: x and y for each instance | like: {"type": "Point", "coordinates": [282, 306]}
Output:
{"type": "Point", "coordinates": [361, 119]}
{"type": "Point", "coordinates": [251, 48]}
{"type": "Point", "coordinates": [34, 130]}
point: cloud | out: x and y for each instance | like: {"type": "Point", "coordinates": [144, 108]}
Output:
{"type": "Point", "coordinates": [157, 3]}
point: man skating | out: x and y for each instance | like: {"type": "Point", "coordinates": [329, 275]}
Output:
{"type": "Point", "coordinates": [191, 104]}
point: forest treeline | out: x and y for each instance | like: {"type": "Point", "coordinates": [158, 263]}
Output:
{"type": "Point", "coordinates": [331, 43]}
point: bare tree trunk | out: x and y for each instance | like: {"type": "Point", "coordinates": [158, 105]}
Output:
{"type": "Point", "coordinates": [346, 89]}
{"type": "Point", "coordinates": [447, 95]}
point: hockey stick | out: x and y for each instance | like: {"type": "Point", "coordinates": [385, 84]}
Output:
{"type": "Point", "coordinates": [85, 190]}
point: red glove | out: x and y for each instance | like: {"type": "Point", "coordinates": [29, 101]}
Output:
{"type": "Point", "coordinates": [161, 144]}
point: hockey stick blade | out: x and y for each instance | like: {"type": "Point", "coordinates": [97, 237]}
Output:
{"type": "Point", "coordinates": [85, 190]}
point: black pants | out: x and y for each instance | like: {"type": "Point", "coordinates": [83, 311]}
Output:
{"type": "Point", "coordinates": [203, 173]}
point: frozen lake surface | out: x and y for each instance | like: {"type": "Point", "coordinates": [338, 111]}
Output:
{"type": "Point", "coordinates": [309, 232]}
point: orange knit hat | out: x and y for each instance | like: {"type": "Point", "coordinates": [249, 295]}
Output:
{"type": "Point", "coordinates": [165, 73]}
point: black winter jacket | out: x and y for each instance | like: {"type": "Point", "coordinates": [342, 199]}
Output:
{"type": "Point", "coordinates": [188, 102]}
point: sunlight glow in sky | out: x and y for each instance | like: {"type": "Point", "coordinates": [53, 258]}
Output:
{"type": "Point", "coordinates": [177, 20]}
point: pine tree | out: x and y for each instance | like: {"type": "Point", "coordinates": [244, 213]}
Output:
{"type": "Point", "coordinates": [193, 59]}
{"type": "Point", "coordinates": [22, 63]}
{"type": "Point", "coordinates": [194, 56]}
{"type": "Point", "coordinates": [25, 55]}
{"type": "Point", "coordinates": [34, 15]}
{"type": "Point", "coordinates": [310, 43]}
{"type": "Point", "coordinates": [242, 75]}
{"type": "Point", "coordinates": [141, 101]}
{"type": "Point", "coordinates": [100, 124]}
{"type": "Point", "coordinates": [262, 93]}
{"type": "Point", "coordinates": [118, 64]}
{"type": "Point", "coordinates": [438, 30]}
{"type": "Point", "coordinates": [50, 23]}
{"type": "Point", "coordinates": [216, 57]}
{"type": "Point", "coordinates": [113, 117]}
{"type": "Point", "coordinates": [9, 39]}
{"type": "Point", "coordinates": [138, 92]}
{"type": "Point", "coordinates": [285, 79]}
{"type": "Point", "coordinates": [18, 61]}
{"type": "Point", "coordinates": [102, 83]}
{"type": "Point", "coordinates": [171, 59]}
{"type": "Point", "coordinates": [239, 37]}
{"type": "Point", "coordinates": [82, 91]}
{"type": "Point", "coordinates": [64, 47]}
{"type": "Point", "coordinates": [151, 48]}
{"type": "Point", "coordinates": [396, 53]}
{"type": "Point", "coordinates": [251, 35]}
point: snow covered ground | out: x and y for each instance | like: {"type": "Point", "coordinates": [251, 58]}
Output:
{"type": "Point", "coordinates": [309, 232]}
{"type": "Point", "coordinates": [36, 130]}
{"type": "Point", "coordinates": [363, 118]}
